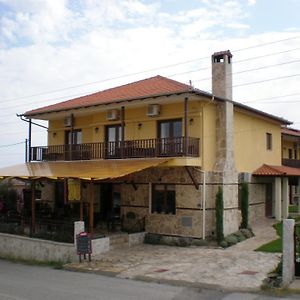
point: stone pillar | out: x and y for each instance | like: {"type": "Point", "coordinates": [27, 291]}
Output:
{"type": "Point", "coordinates": [285, 197]}
{"type": "Point", "coordinates": [288, 264]}
{"type": "Point", "coordinates": [78, 227]}
{"type": "Point", "coordinates": [278, 198]}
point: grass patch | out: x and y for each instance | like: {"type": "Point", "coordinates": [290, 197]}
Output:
{"type": "Point", "coordinates": [273, 247]}
{"type": "Point", "coordinates": [276, 245]}
{"type": "Point", "coordinates": [293, 208]}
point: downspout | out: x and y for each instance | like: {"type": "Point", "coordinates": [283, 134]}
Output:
{"type": "Point", "coordinates": [203, 203]}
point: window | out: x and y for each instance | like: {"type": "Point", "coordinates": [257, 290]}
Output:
{"type": "Point", "coordinates": [77, 137]}
{"type": "Point", "coordinates": [269, 141]}
{"type": "Point", "coordinates": [163, 199]}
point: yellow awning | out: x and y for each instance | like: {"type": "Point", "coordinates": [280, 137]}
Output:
{"type": "Point", "coordinates": [87, 170]}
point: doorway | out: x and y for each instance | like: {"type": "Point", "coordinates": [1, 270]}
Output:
{"type": "Point", "coordinates": [110, 205]}
{"type": "Point", "coordinates": [113, 138]}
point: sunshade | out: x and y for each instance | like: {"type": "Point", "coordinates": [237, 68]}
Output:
{"type": "Point", "coordinates": [87, 170]}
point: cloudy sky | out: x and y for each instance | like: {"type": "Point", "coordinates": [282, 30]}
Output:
{"type": "Point", "coordinates": [52, 50]}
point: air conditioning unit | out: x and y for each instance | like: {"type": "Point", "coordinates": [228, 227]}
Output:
{"type": "Point", "coordinates": [153, 110]}
{"type": "Point", "coordinates": [112, 115]}
{"type": "Point", "coordinates": [68, 121]}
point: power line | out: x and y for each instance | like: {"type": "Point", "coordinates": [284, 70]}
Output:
{"type": "Point", "coordinates": [266, 80]}
{"type": "Point", "coordinates": [10, 145]}
{"type": "Point", "coordinates": [145, 71]}
{"type": "Point", "coordinates": [271, 98]}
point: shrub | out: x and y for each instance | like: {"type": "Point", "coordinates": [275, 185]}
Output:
{"type": "Point", "coordinates": [247, 233]}
{"type": "Point", "coordinates": [197, 242]}
{"type": "Point", "coordinates": [219, 215]}
{"type": "Point", "coordinates": [231, 240]}
{"type": "Point", "coordinates": [239, 235]}
{"type": "Point", "coordinates": [245, 205]}
{"type": "Point", "coordinates": [223, 244]}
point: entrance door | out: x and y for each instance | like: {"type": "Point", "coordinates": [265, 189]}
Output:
{"type": "Point", "coordinates": [170, 133]}
{"type": "Point", "coordinates": [110, 204]}
{"type": "Point", "coordinates": [113, 137]}
{"type": "Point", "coordinates": [269, 200]}
{"type": "Point", "coordinates": [72, 141]}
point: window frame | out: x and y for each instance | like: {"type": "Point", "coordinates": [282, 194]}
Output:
{"type": "Point", "coordinates": [269, 141]}
{"type": "Point", "coordinates": [165, 206]}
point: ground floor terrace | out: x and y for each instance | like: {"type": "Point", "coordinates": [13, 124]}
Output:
{"type": "Point", "coordinates": [137, 195]}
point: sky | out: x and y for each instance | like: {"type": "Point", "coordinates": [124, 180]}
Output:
{"type": "Point", "coordinates": [53, 50]}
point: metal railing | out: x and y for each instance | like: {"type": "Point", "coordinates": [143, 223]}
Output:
{"type": "Point", "coordinates": [160, 147]}
{"type": "Point", "coordinates": [294, 163]}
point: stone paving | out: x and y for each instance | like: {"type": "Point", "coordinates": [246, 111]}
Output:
{"type": "Point", "coordinates": [234, 268]}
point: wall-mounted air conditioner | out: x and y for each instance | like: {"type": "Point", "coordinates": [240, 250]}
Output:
{"type": "Point", "coordinates": [112, 115]}
{"type": "Point", "coordinates": [153, 110]}
{"type": "Point", "coordinates": [68, 121]}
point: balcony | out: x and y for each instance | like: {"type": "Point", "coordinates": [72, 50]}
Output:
{"type": "Point", "coordinates": [294, 163]}
{"type": "Point", "coordinates": [162, 147]}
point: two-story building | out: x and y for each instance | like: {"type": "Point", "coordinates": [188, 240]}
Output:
{"type": "Point", "coordinates": [153, 153]}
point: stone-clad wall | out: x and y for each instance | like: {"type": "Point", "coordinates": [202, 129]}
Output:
{"type": "Point", "coordinates": [257, 196]}
{"type": "Point", "coordinates": [189, 202]}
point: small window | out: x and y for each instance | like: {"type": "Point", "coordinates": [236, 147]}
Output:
{"type": "Point", "coordinates": [269, 141]}
{"type": "Point", "coordinates": [163, 199]}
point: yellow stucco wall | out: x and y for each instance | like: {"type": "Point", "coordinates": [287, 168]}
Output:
{"type": "Point", "coordinates": [93, 126]}
{"type": "Point", "coordinates": [250, 150]}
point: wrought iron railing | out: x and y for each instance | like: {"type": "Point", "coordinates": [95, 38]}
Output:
{"type": "Point", "coordinates": [161, 147]}
{"type": "Point", "coordinates": [294, 163]}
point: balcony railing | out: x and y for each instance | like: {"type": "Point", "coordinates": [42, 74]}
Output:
{"type": "Point", "coordinates": [163, 147]}
{"type": "Point", "coordinates": [294, 163]}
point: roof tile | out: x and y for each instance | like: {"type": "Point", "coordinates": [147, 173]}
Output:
{"type": "Point", "coordinates": [149, 87]}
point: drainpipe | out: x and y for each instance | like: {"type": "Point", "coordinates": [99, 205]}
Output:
{"type": "Point", "coordinates": [186, 126]}
{"type": "Point", "coordinates": [203, 204]}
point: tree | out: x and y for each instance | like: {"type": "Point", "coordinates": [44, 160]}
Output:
{"type": "Point", "coordinates": [245, 205]}
{"type": "Point", "coordinates": [219, 216]}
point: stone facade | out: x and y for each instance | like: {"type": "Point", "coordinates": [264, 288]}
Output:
{"type": "Point", "coordinates": [188, 220]}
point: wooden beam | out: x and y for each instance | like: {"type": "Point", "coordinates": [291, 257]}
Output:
{"type": "Point", "coordinates": [122, 130]}
{"type": "Point", "coordinates": [196, 184]}
{"type": "Point", "coordinates": [81, 203]}
{"type": "Point", "coordinates": [91, 207]}
{"type": "Point", "coordinates": [29, 140]}
{"type": "Point", "coordinates": [186, 132]}
{"type": "Point", "coordinates": [33, 206]}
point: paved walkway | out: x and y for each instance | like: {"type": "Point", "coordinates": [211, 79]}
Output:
{"type": "Point", "coordinates": [234, 268]}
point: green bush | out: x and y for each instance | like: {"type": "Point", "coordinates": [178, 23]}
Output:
{"type": "Point", "coordinates": [247, 233]}
{"type": "Point", "coordinates": [223, 244]}
{"type": "Point", "coordinates": [245, 205]}
{"type": "Point", "coordinates": [198, 242]}
{"type": "Point", "coordinates": [219, 215]}
{"type": "Point", "coordinates": [231, 240]}
{"type": "Point", "coordinates": [239, 235]}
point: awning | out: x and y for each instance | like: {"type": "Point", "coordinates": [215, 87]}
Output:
{"type": "Point", "coordinates": [267, 170]}
{"type": "Point", "coordinates": [87, 170]}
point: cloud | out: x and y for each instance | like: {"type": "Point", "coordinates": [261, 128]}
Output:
{"type": "Point", "coordinates": [52, 44]}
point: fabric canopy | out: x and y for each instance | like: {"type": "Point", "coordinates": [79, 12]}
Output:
{"type": "Point", "coordinates": [87, 170]}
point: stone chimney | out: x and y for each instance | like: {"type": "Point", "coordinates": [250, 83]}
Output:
{"type": "Point", "coordinates": [222, 87]}
{"type": "Point", "coordinates": [222, 74]}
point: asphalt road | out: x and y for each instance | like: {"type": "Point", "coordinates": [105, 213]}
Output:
{"type": "Point", "coordinates": [23, 282]}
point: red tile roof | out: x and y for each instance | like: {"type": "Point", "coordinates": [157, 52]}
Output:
{"type": "Point", "coordinates": [290, 131]}
{"type": "Point", "coordinates": [267, 170]}
{"type": "Point", "coordinates": [150, 87]}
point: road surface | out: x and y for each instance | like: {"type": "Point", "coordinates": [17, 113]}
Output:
{"type": "Point", "coordinates": [23, 282]}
